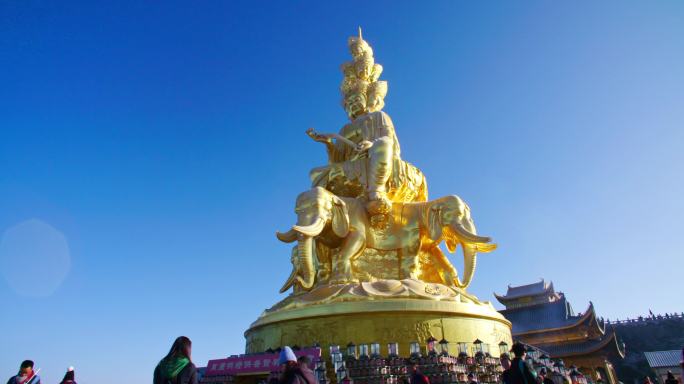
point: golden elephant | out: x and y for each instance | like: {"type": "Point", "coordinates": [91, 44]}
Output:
{"type": "Point", "coordinates": [413, 228]}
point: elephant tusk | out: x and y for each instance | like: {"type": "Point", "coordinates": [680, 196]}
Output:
{"type": "Point", "coordinates": [289, 282]}
{"type": "Point", "coordinates": [484, 247]}
{"type": "Point", "coordinates": [311, 230]}
{"type": "Point", "coordinates": [287, 237]}
{"type": "Point", "coordinates": [469, 236]}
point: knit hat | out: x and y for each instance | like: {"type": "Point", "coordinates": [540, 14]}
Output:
{"type": "Point", "coordinates": [69, 375]}
{"type": "Point", "coordinates": [286, 355]}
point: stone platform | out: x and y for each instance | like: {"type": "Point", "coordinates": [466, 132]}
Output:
{"type": "Point", "coordinates": [383, 311]}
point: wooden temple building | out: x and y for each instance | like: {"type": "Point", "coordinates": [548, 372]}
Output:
{"type": "Point", "coordinates": [544, 318]}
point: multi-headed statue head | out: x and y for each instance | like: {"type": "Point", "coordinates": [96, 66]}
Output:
{"type": "Point", "coordinates": [361, 90]}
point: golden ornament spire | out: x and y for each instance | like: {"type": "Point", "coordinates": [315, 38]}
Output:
{"type": "Point", "coordinates": [361, 90]}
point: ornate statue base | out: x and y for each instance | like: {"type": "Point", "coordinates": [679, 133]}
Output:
{"type": "Point", "coordinates": [383, 311]}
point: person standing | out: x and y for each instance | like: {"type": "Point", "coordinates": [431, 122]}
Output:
{"type": "Point", "coordinates": [305, 366]}
{"type": "Point", "coordinates": [670, 378]}
{"type": "Point", "coordinates": [26, 374]}
{"type": "Point", "coordinates": [177, 367]}
{"type": "Point", "coordinates": [520, 372]}
{"type": "Point", "coordinates": [69, 377]}
{"type": "Point", "coordinates": [291, 373]}
{"type": "Point", "coordinates": [418, 377]}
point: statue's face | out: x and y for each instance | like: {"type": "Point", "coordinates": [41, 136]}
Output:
{"type": "Point", "coordinates": [354, 49]}
{"type": "Point", "coordinates": [374, 102]}
{"type": "Point", "coordinates": [357, 49]}
{"type": "Point", "coordinates": [355, 105]}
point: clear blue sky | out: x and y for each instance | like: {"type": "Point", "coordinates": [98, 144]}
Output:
{"type": "Point", "coordinates": [149, 151]}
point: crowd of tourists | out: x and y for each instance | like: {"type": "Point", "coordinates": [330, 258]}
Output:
{"type": "Point", "coordinates": [177, 368]}
{"type": "Point", "coordinates": [27, 375]}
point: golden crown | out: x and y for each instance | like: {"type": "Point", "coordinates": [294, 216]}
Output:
{"type": "Point", "coordinates": [362, 73]}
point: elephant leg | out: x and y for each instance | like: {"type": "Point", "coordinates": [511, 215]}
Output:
{"type": "Point", "coordinates": [447, 272]}
{"type": "Point", "coordinates": [352, 247]}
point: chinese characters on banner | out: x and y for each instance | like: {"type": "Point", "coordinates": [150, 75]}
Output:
{"type": "Point", "coordinates": [256, 363]}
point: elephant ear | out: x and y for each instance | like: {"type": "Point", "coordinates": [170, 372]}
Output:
{"type": "Point", "coordinates": [340, 217]}
{"type": "Point", "coordinates": [435, 222]}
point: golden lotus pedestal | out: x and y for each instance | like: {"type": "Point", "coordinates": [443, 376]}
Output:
{"type": "Point", "coordinates": [386, 311]}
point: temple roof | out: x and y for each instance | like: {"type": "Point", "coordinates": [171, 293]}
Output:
{"type": "Point", "coordinates": [544, 318]}
{"type": "Point", "coordinates": [538, 288]}
{"type": "Point", "coordinates": [606, 345]}
{"type": "Point", "coordinates": [660, 359]}
{"type": "Point", "coordinates": [530, 294]}
{"type": "Point", "coordinates": [557, 314]}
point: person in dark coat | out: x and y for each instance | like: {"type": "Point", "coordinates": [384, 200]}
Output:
{"type": "Point", "coordinates": [69, 377]}
{"type": "Point", "coordinates": [305, 366]}
{"type": "Point", "coordinates": [671, 379]}
{"type": "Point", "coordinates": [291, 373]}
{"type": "Point", "coordinates": [418, 377]}
{"type": "Point", "coordinates": [177, 367]}
{"type": "Point", "coordinates": [520, 372]}
{"type": "Point", "coordinates": [26, 374]}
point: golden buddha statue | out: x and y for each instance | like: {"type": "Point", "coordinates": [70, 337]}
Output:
{"type": "Point", "coordinates": [368, 241]}
{"type": "Point", "coordinates": [388, 231]}
{"type": "Point", "coordinates": [365, 160]}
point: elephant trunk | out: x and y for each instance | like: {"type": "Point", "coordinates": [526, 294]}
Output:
{"type": "Point", "coordinates": [469, 263]}
{"type": "Point", "coordinates": [305, 265]}
{"type": "Point", "coordinates": [472, 244]}
{"type": "Point", "coordinates": [303, 272]}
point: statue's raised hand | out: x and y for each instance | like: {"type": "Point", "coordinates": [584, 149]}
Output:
{"type": "Point", "coordinates": [364, 145]}
{"type": "Point", "coordinates": [321, 138]}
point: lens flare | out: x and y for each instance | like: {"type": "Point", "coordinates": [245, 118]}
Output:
{"type": "Point", "coordinates": [34, 258]}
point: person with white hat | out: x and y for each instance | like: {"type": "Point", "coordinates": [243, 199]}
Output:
{"type": "Point", "coordinates": [291, 373]}
{"type": "Point", "coordinates": [69, 377]}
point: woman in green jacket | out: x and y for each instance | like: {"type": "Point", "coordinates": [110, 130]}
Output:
{"type": "Point", "coordinates": [177, 367]}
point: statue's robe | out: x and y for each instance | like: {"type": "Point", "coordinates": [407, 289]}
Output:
{"type": "Point", "coordinates": [347, 173]}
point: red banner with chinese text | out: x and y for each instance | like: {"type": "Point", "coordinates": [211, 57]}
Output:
{"type": "Point", "coordinates": [256, 363]}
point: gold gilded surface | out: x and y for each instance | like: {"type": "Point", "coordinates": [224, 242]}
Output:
{"type": "Point", "coordinates": [367, 265]}
{"type": "Point", "coordinates": [367, 216]}
{"type": "Point", "coordinates": [381, 321]}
